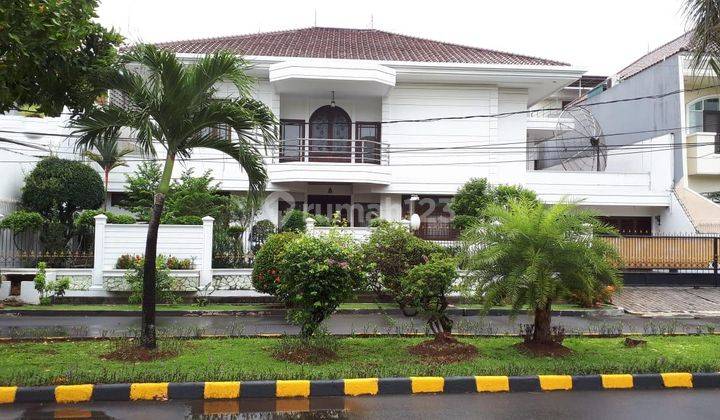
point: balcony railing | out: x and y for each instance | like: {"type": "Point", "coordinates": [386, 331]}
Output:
{"type": "Point", "coordinates": [333, 151]}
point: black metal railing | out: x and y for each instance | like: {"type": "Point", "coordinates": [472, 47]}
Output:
{"type": "Point", "coordinates": [333, 150]}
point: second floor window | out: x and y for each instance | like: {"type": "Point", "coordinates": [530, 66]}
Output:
{"type": "Point", "coordinates": [697, 112]}
{"type": "Point", "coordinates": [292, 133]}
{"type": "Point", "coordinates": [367, 144]}
{"type": "Point", "coordinates": [222, 131]}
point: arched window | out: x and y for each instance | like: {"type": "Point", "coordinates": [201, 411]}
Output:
{"type": "Point", "coordinates": [697, 111]}
{"type": "Point", "coordinates": [330, 135]}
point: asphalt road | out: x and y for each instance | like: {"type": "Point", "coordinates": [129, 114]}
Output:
{"type": "Point", "coordinates": [118, 326]}
{"type": "Point", "coordinates": [656, 405]}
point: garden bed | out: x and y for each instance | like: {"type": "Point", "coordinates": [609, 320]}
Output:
{"type": "Point", "coordinates": [252, 359]}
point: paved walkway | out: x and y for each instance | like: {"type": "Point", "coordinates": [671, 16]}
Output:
{"type": "Point", "coordinates": [669, 300]}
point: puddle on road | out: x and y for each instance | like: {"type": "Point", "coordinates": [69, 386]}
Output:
{"type": "Point", "coordinates": [251, 408]}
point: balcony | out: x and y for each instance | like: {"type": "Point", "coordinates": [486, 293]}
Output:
{"type": "Point", "coordinates": [547, 120]}
{"type": "Point", "coordinates": [331, 160]}
{"type": "Point", "coordinates": [702, 154]}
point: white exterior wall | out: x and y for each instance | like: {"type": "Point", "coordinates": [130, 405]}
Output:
{"type": "Point", "coordinates": [16, 161]}
{"type": "Point", "coordinates": [425, 171]}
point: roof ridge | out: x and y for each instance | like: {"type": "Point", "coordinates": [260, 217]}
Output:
{"type": "Point", "coordinates": [440, 51]}
{"type": "Point", "coordinates": [651, 52]}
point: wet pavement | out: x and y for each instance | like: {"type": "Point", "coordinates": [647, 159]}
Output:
{"type": "Point", "coordinates": [657, 405]}
{"type": "Point", "coordinates": [237, 325]}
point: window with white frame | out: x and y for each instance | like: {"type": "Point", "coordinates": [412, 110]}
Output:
{"type": "Point", "coordinates": [696, 112]}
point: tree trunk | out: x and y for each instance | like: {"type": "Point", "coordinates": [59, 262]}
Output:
{"type": "Point", "coordinates": [542, 332]}
{"type": "Point", "coordinates": [107, 178]}
{"type": "Point", "coordinates": [147, 337]}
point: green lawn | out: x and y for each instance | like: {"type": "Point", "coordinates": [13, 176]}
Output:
{"type": "Point", "coordinates": [250, 359]}
{"type": "Point", "coordinates": [236, 307]}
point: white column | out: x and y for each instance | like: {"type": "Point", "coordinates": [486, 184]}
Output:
{"type": "Point", "coordinates": [206, 262]}
{"type": "Point", "coordinates": [99, 253]}
{"type": "Point", "coordinates": [309, 225]}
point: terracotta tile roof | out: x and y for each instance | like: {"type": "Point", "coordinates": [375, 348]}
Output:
{"type": "Point", "coordinates": [679, 44]}
{"type": "Point", "coordinates": [356, 44]}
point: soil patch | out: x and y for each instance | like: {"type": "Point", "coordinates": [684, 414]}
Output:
{"type": "Point", "coordinates": [443, 349]}
{"type": "Point", "coordinates": [633, 342]}
{"type": "Point", "coordinates": [133, 352]}
{"type": "Point", "coordinates": [543, 349]}
{"type": "Point", "coordinates": [305, 354]}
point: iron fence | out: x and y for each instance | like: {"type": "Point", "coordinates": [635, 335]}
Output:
{"type": "Point", "coordinates": [25, 250]}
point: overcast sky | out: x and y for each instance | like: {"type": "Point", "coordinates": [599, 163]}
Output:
{"type": "Point", "coordinates": [601, 36]}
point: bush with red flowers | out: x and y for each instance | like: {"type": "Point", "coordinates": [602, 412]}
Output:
{"type": "Point", "coordinates": [266, 274]}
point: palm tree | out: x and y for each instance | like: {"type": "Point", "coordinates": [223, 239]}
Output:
{"type": "Point", "coordinates": [109, 156]}
{"type": "Point", "coordinates": [533, 255]}
{"type": "Point", "coordinates": [704, 17]}
{"type": "Point", "coordinates": [174, 106]}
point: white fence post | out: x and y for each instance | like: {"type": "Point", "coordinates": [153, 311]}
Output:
{"type": "Point", "coordinates": [206, 265]}
{"type": "Point", "coordinates": [99, 251]}
{"type": "Point", "coordinates": [309, 225]}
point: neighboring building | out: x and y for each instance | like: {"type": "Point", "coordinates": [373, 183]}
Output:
{"type": "Point", "coordinates": [342, 96]}
{"type": "Point", "coordinates": [688, 109]}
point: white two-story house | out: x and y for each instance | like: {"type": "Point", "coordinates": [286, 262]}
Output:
{"type": "Point", "coordinates": [377, 124]}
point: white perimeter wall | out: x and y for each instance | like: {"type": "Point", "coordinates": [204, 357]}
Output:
{"type": "Point", "coordinates": [176, 240]}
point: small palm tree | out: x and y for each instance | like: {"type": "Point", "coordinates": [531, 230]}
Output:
{"type": "Point", "coordinates": [532, 255]}
{"type": "Point", "coordinates": [174, 106]}
{"type": "Point", "coordinates": [109, 156]}
{"type": "Point", "coordinates": [704, 17]}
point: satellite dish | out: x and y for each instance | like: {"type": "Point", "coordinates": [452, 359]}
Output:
{"type": "Point", "coordinates": [578, 143]}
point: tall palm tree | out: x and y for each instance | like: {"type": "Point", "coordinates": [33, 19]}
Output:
{"type": "Point", "coordinates": [109, 156]}
{"type": "Point", "coordinates": [173, 105]}
{"type": "Point", "coordinates": [704, 17]}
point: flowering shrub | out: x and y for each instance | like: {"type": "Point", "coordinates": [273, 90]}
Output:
{"type": "Point", "coordinates": [163, 281]}
{"type": "Point", "coordinates": [128, 261]}
{"type": "Point", "coordinates": [266, 274]}
{"type": "Point", "coordinates": [175, 263]}
{"type": "Point", "coordinates": [316, 275]}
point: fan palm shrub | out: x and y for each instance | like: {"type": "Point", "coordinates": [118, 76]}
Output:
{"type": "Point", "coordinates": [174, 106]}
{"type": "Point", "coordinates": [532, 255]}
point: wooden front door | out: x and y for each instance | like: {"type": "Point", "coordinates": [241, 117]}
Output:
{"type": "Point", "coordinates": [329, 135]}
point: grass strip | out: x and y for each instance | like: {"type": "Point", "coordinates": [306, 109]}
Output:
{"type": "Point", "coordinates": [55, 363]}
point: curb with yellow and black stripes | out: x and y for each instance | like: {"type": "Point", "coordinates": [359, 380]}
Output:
{"type": "Point", "coordinates": [352, 387]}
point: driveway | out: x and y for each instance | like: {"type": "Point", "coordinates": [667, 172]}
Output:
{"type": "Point", "coordinates": [655, 301]}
